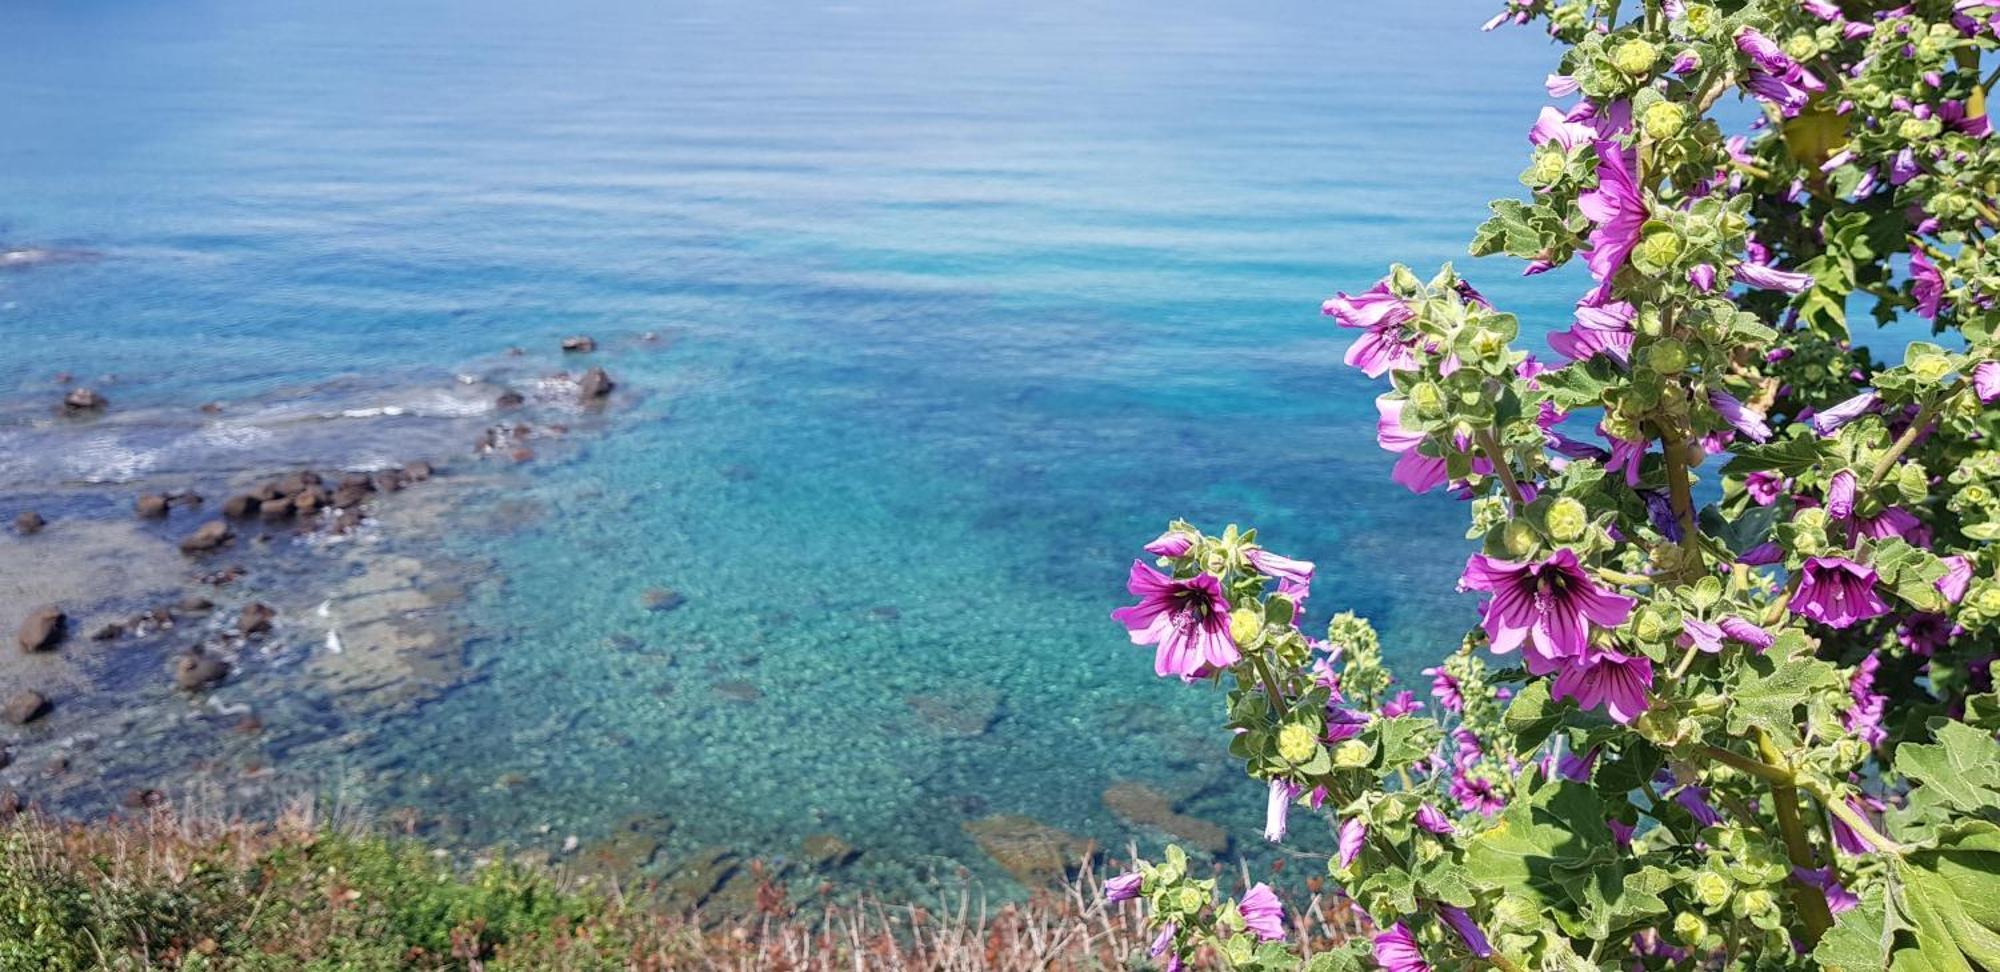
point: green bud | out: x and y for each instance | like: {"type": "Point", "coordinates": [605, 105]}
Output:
{"type": "Point", "coordinates": [1664, 119]}
{"type": "Point", "coordinates": [1711, 889]}
{"type": "Point", "coordinates": [1352, 753]}
{"type": "Point", "coordinates": [1427, 400]}
{"type": "Point", "coordinates": [1635, 57]}
{"type": "Point", "coordinates": [1658, 250]}
{"type": "Point", "coordinates": [1567, 519]}
{"type": "Point", "coordinates": [1689, 929]}
{"type": "Point", "coordinates": [1297, 743]}
{"type": "Point", "coordinates": [1987, 600]}
{"type": "Point", "coordinates": [1667, 357]}
{"type": "Point", "coordinates": [1757, 901]}
{"type": "Point", "coordinates": [1975, 494]}
{"type": "Point", "coordinates": [1621, 425]}
{"type": "Point", "coordinates": [1547, 166]}
{"type": "Point", "coordinates": [1930, 368]}
{"type": "Point", "coordinates": [1811, 518]}
{"type": "Point", "coordinates": [1519, 538]}
{"type": "Point", "coordinates": [1189, 899]}
{"type": "Point", "coordinates": [1244, 624]}
{"type": "Point", "coordinates": [1489, 343]}
{"type": "Point", "coordinates": [1701, 18]}
{"type": "Point", "coordinates": [1706, 592]}
{"type": "Point", "coordinates": [1801, 46]}
{"type": "Point", "coordinates": [1650, 625]}
{"type": "Point", "coordinates": [1913, 130]}
{"type": "Point", "coordinates": [1650, 323]}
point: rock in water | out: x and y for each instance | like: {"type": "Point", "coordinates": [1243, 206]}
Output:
{"type": "Point", "coordinates": [579, 343]}
{"type": "Point", "coordinates": [28, 523]}
{"type": "Point", "coordinates": [662, 599]}
{"type": "Point", "coordinates": [239, 506]}
{"type": "Point", "coordinates": [195, 670]}
{"type": "Point", "coordinates": [84, 400]}
{"type": "Point", "coordinates": [209, 536]}
{"type": "Point", "coordinates": [26, 707]}
{"type": "Point", "coordinates": [1035, 853]}
{"type": "Point", "coordinates": [1142, 806]}
{"type": "Point", "coordinates": [595, 384]}
{"type": "Point", "coordinates": [255, 619]}
{"type": "Point", "coordinates": [152, 506]}
{"type": "Point", "coordinates": [44, 629]}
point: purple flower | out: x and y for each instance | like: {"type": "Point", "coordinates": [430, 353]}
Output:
{"type": "Point", "coordinates": [1828, 422]}
{"type": "Point", "coordinates": [1187, 619]}
{"type": "Point", "coordinates": [1618, 209]}
{"type": "Point", "coordinates": [1380, 315]}
{"type": "Point", "coordinates": [1432, 819]}
{"type": "Point", "coordinates": [1396, 951]}
{"type": "Point", "coordinates": [1296, 573]}
{"type": "Point", "coordinates": [1845, 837]}
{"type": "Point", "coordinates": [1607, 678]}
{"type": "Point", "coordinates": [1838, 899]}
{"type": "Point", "coordinates": [1762, 555]}
{"type": "Point", "coordinates": [1278, 809]}
{"type": "Point", "coordinates": [1694, 799]}
{"type": "Point", "coordinates": [1468, 930]}
{"type": "Point", "coordinates": [1703, 635]}
{"type": "Point", "coordinates": [1926, 284]}
{"type": "Point", "coordinates": [1561, 85]}
{"type": "Point", "coordinates": [1788, 97]}
{"type": "Point", "coordinates": [1553, 126]}
{"type": "Point", "coordinates": [1262, 914]}
{"type": "Point", "coordinates": [1742, 417]}
{"type": "Point", "coordinates": [1575, 768]}
{"type": "Point", "coordinates": [1124, 887]}
{"type": "Point", "coordinates": [1173, 543]}
{"type": "Point", "coordinates": [1747, 633]}
{"type": "Point", "coordinates": [1764, 487]}
{"type": "Point", "coordinates": [1903, 167]}
{"type": "Point", "coordinates": [1353, 836]}
{"type": "Point", "coordinates": [1823, 9]}
{"type": "Point", "coordinates": [1685, 62]}
{"type": "Point", "coordinates": [1837, 592]}
{"type": "Point", "coordinates": [1445, 689]}
{"type": "Point", "coordinates": [1626, 455]}
{"type": "Point", "coordinates": [1477, 794]}
{"type": "Point", "coordinates": [1771, 278]}
{"type": "Point", "coordinates": [1895, 522]}
{"type": "Point", "coordinates": [1703, 278]}
{"type": "Point", "coordinates": [1957, 578]}
{"type": "Point", "coordinates": [1548, 606]}
{"type": "Point", "coordinates": [1162, 941]}
{"type": "Point", "coordinates": [1840, 495]}
{"type": "Point", "coordinates": [1986, 381]}
{"type": "Point", "coordinates": [1403, 704]}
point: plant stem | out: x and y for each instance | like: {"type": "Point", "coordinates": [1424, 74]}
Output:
{"type": "Point", "coordinates": [1809, 900]}
{"type": "Point", "coordinates": [1902, 444]}
{"type": "Point", "coordinates": [1860, 825]}
{"type": "Point", "coordinates": [1686, 662]}
{"type": "Point", "coordinates": [1622, 578]}
{"type": "Point", "coordinates": [1680, 492]}
{"type": "Point", "coordinates": [1757, 768]}
{"type": "Point", "coordinates": [1502, 466]}
{"type": "Point", "coordinates": [1270, 683]}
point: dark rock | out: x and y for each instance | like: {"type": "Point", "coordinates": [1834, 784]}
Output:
{"type": "Point", "coordinates": [240, 506]}
{"type": "Point", "coordinates": [297, 482]}
{"type": "Point", "coordinates": [255, 619]}
{"type": "Point", "coordinates": [388, 481]}
{"type": "Point", "coordinates": [194, 604]}
{"type": "Point", "coordinates": [347, 522]}
{"type": "Point", "coordinates": [579, 343]}
{"type": "Point", "coordinates": [1139, 805]}
{"type": "Point", "coordinates": [962, 716]}
{"type": "Point", "coordinates": [662, 599]}
{"type": "Point", "coordinates": [516, 352]}
{"type": "Point", "coordinates": [208, 536]}
{"type": "Point", "coordinates": [109, 631]}
{"type": "Point", "coordinates": [266, 491]}
{"type": "Point", "coordinates": [357, 481]}
{"type": "Point", "coordinates": [273, 510]}
{"type": "Point", "coordinates": [212, 408]}
{"type": "Point", "coordinates": [417, 472]}
{"type": "Point", "coordinates": [1035, 853]}
{"type": "Point", "coordinates": [29, 522]}
{"type": "Point", "coordinates": [510, 399]}
{"type": "Point", "coordinates": [700, 875]}
{"type": "Point", "coordinates": [25, 707]}
{"type": "Point", "coordinates": [188, 499]}
{"type": "Point", "coordinates": [195, 670]}
{"type": "Point", "coordinates": [11, 804]}
{"type": "Point", "coordinates": [347, 497]}
{"type": "Point", "coordinates": [152, 506]}
{"type": "Point", "coordinates": [309, 501]}
{"type": "Point", "coordinates": [141, 799]}
{"type": "Point", "coordinates": [249, 725]}
{"type": "Point", "coordinates": [523, 454]}
{"type": "Point", "coordinates": [595, 384]}
{"type": "Point", "coordinates": [44, 629]}
{"type": "Point", "coordinates": [84, 400]}
{"type": "Point", "coordinates": [738, 690]}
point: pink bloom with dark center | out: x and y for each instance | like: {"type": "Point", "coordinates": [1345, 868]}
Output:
{"type": "Point", "coordinates": [1380, 315]}
{"type": "Point", "coordinates": [1837, 592]}
{"type": "Point", "coordinates": [1607, 678]}
{"type": "Point", "coordinates": [1926, 284]}
{"type": "Point", "coordinates": [1619, 210]}
{"type": "Point", "coordinates": [1396, 951]}
{"type": "Point", "coordinates": [1262, 913]}
{"type": "Point", "coordinates": [1188, 619]}
{"type": "Point", "coordinates": [1548, 606]}
{"type": "Point", "coordinates": [1764, 487]}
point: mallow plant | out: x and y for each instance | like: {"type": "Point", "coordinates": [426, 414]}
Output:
{"type": "Point", "coordinates": [1729, 700]}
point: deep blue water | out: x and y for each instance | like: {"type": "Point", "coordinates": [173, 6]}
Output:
{"type": "Point", "coordinates": [963, 301]}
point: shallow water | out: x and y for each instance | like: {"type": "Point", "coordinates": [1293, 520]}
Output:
{"type": "Point", "coordinates": [958, 304]}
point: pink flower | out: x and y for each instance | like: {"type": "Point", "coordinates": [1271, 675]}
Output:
{"type": "Point", "coordinates": [1547, 606]}
{"type": "Point", "coordinates": [1986, 381]}
{"type": "Point", "coordinates": [1124, 887]}
{"type": "Point", "coordinates": [1432, 819]}
{"type": "Point", "coordinates": [1926, 284]}
{"type": "Point", "coordinates": [1296, 574]}
{"type": "Point", "coordinates": [1618, 209]}
{"type": "Point", "coordinates": [1353, 836]}
{"type": "Point", "coordinates": [1467, 929]}
{"type": "Point", "coordinates": [1188, 619]}
{"type": "Point", "coordinates": [1957, 578]}
{"type": "Point", "coordinates": [1837, 592]}
{"type": "Point", "coordinates": [1173, 543]}
{"type": "Point", "coordinates": [1278, 808]}
{"type": "Point", "coordinates": [1380, 315]}
{"type": "Point", "coordinates": [1396, 951]}
{"type": "Point", "coordinates": [1477, 794]}
{"type": "Point", "coordinates": [1262, 913]}
{"type": "Point", "coordinates": [1764, 487]}
{"type": "Point", "coordinates": [1554, 126]}
{"type": "Point", "coordinates": [1606, 678]}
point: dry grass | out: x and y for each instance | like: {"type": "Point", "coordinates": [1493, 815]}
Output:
{"type": "Point", "coordinates": [191, 890]}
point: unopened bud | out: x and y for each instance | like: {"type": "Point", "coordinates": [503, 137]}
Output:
{"type": "Point", "coordinates": [1664, 119]}
{"type": "Point", "coordinates": [1296, 743]}
{"type": "Point", "coordinates": [1427, 399]}
{"type": "Point", "coordinates": [1659, 249]}
{"type": "Point", "coordinates": [1667, 357]}
{"type": "Point", "coordinates": [1635, 57]}
{"type": "Point", "coordinates": [1547, 166]}
{"type": "Point", "coordinates": [1690, 929]}
{"type": "Point", "coordinates": [1567, 519]}
{"type": "Point", "coordinates": [1711, 889]}
{"type": "Point", "coordinates": [1244, 624]}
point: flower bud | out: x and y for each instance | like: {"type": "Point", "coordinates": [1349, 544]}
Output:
{"type": "Point", "coordinates": [1635, 57]}
{"type": "Point", "coordinates": [1689, 929]}
{"type": "Point", "coordinates": [1427, 400]}
{"type": "Point", "coordinates": [1190, 899]}
{"type": "Point", "coordinates": [1987, 601]}
{"type": "Point", "coordinates": [1296, 743]}
{"type": "Point", "coordinates": [1811, 518]}
{"type": "Point", "coordinates": [1659, 248]}
{"type": "Point", "coordinates": [1757, 901]}
{"type": "Point", "coordinates": [1352, 753]}
{"type": "Point", "coordinates": [1547, 166]}
{"type": "Point", "coordinates": [1567, 519]}
{"type": "Point", "coordinates": [1244, 625]}
{"type": "Point", "coordinates": [1649, 625]}
{"type": "Point", "coordinates": [1519, 538]}
{"type": "Point", "coordinates": [1801, 47]}
{"type": "Point", "coordinates": [1701, 18]}
{"type": "Point", "coordinates": [1711, 889]}
{"type": "Point", "coordinates": [1667, 357]}
{"type": "Point", "coordinates": [1488, 343]}
{"type": "Point", "coordinates": [1930, 368]}
{"type": "Point", "coordinates": [1514, 911]}
{"type": "Point", "coordinates": [1664, 119]}
{"type": "Point", "coordinates": [1913, 130]}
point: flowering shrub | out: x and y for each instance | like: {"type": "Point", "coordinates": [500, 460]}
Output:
{"type": "Point", "coordinates": [1729, 702]}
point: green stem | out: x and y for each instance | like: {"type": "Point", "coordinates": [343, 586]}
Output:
{"type": "Point", "coordinates": [1860, 825]}
{"type": "Point", "coordinates": [1686, 662]}
{"type": "Point", "coordinates": [1680, 493]}
{"type": "Point", "coordinates": [1624, 579]}
{"type": "Point", "coordinates": [1809, 900]}
{"type": "Point", "coordinates": [1502, 466]}
{"type": "Point", "coordinates": [1902, 444]}
{"type": "Point", "coordinates": [1270, 683]}
{"type": "Point", "coordinates": [1757, 768]}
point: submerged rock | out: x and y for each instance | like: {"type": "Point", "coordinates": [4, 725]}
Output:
{"type": "Point", "coordinates": [827, 851]}
{"type": "Point", "coordinates": [44, 629]}
{"type": "Point", "coordinates": [25, 707]}
{"type": "Point", "coordinates": [152, 506]}
{"type": "Point", "coordinates": [1139, 805]}
{"type": "Point", "coordinates": [208, 536]}
{"type": "Point", "coordinates": [28, 523]}
{"type": "Point", "coordinates": [255, 619]}
{"type": "Point", "coordinates": [197, 670]}
{"type": "Point", "coordinates": [738, 690]}
{"type": "Point", "coordinates": [1035, 853]}
{"type": "Point", "coordinates": [961, 716]}
{"type": "Point", "coordinates": [84, 400]}
{"type": "Point", "coordinates": [579, 343]}
{"type": "Point", "coordinates": [662, 599]}
{"type": "Point", "coordinates": [595, 384]}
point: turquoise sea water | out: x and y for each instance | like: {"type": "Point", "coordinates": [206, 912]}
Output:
{"type": "Point", "coordinates": [961, 302]}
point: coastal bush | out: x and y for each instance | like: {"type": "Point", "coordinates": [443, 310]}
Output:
{"type": "Point", "coordinates": [1729, 701]}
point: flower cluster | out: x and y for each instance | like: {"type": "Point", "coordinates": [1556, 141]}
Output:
{"type": "Point", "coordinates": [1729, 698]}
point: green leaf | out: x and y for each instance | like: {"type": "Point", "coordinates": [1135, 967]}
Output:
{"type": "Point", "coordinates": [1960, 772]}
{"type": "Point", "coordinates": [1540, 842]}
{"type": "Point", "coordinates": [1858, 941]}
{"type": "Point", "coordinates": [1746, 531]}
{"type": "Point", "coordinates": [1790, 456]}
{"type": "Point", "coordinates": [1766, 690]}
